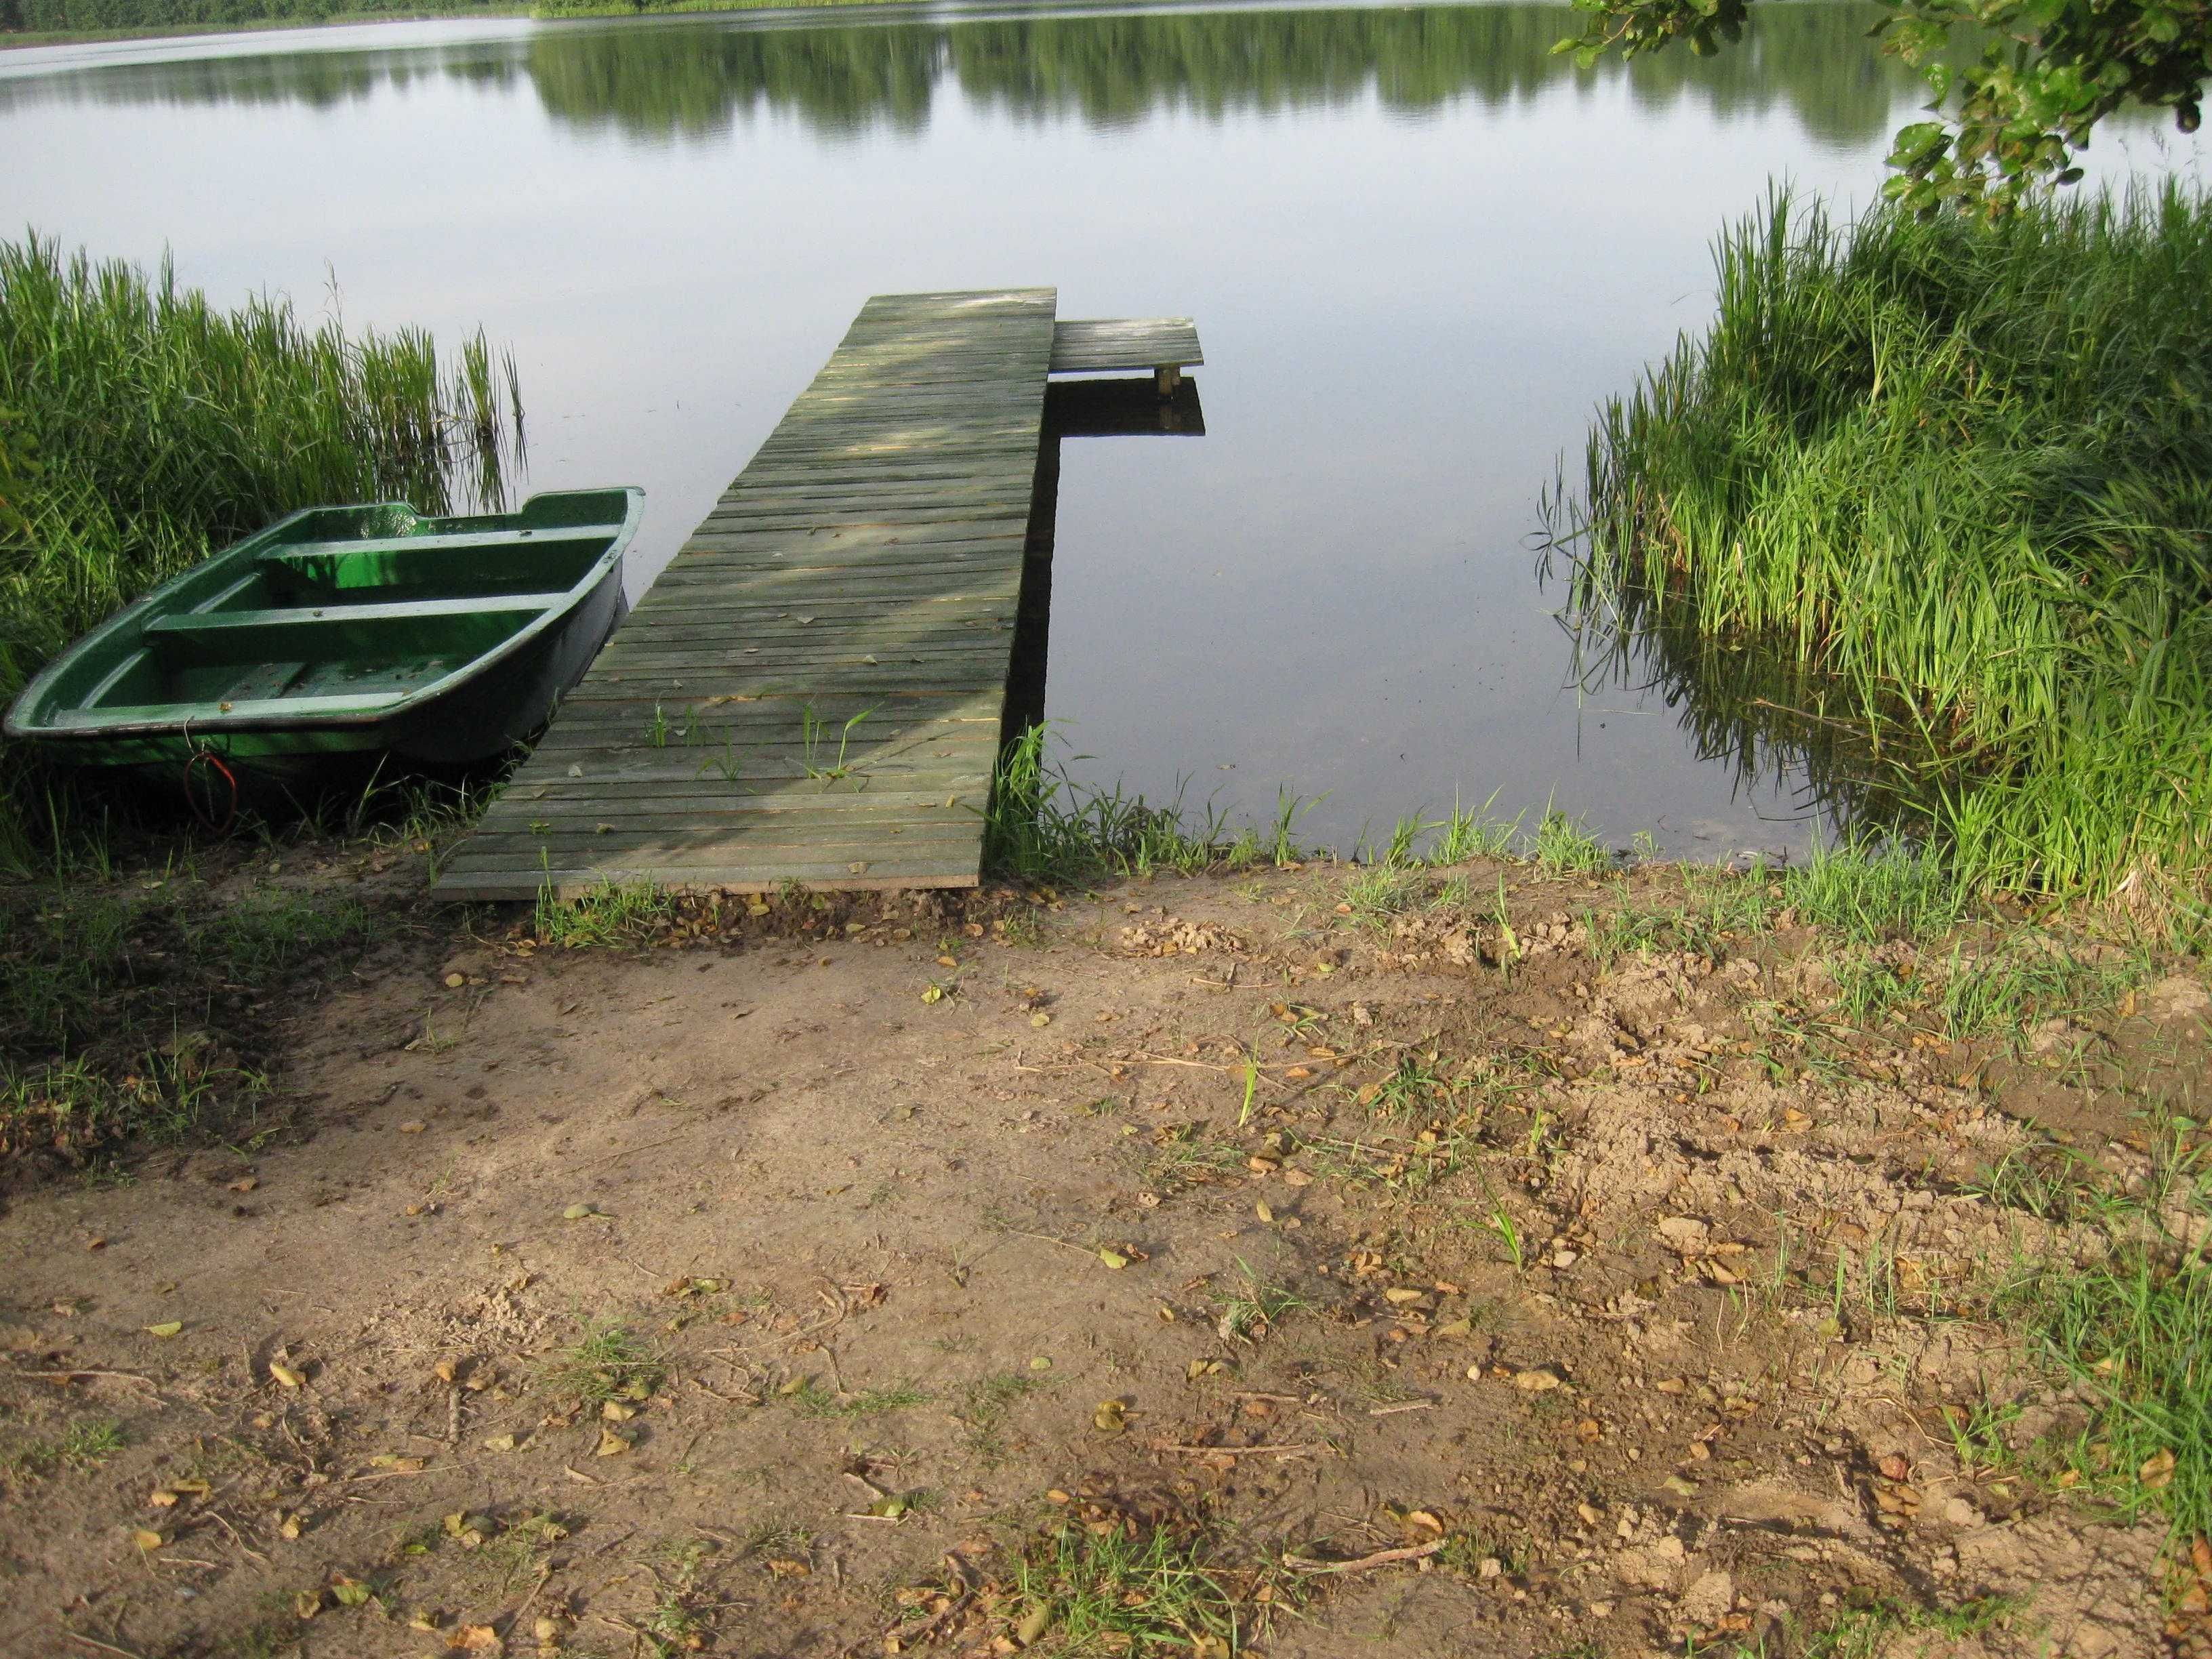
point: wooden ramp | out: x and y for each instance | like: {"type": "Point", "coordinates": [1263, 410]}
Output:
{"type": "Point", "coordinates": [812, 690]}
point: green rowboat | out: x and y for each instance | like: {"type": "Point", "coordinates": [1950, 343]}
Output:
{"type": "Point", "coordinates": [342, 635]}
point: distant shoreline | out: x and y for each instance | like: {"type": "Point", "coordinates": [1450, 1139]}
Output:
{"type": "Point", "coordinates": [252, 25]}
{"type": "Point", "coordinates": [417, 14]}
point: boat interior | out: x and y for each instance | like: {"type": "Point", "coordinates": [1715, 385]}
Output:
{"type": "Point", "coordinates": [360, 606]}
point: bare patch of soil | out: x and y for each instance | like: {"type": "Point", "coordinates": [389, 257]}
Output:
{"type": "Point", "coordinates": [800, 1284]}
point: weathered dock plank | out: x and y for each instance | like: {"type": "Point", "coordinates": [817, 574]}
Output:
{"type": "Point", "coordinates": [1102, 347]}
{"type": "Point", "coordinates": [812, 690]}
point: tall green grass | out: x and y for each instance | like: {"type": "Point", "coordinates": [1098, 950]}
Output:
{"type": "Point", "coordinates": [1042, 825]}
{"type": "Point", "coordinates": [1958, 475]}
{"type": "Point", "coordinates": [142, 427]}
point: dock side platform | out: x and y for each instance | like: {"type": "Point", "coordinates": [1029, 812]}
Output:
{"type": "Point", "coordinates": [1164, 345]}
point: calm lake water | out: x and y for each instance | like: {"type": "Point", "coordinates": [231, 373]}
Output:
{"type": "Point", "coordinates": [1419, 250]}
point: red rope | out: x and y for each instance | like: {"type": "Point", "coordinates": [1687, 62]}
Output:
{"type": "Point", "coordinates": [230, 777]}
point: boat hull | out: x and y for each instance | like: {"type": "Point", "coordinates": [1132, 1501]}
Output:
{"type": "Point", "coordinates": [473, 726]}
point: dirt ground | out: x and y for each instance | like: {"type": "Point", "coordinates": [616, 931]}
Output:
{"type": "Point", "coordinates": [851, 1279]}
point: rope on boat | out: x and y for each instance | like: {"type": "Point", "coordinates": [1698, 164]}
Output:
{"type": "Point", "coordinates": [230, 815]}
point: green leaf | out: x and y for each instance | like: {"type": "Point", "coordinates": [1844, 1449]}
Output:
{"type": "Point", "coordinates": [2045, 73]}
{"type": "Point", "coordinates": [1918, 143]}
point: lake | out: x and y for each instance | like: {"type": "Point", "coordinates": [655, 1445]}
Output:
{"type": "Point", "coordinates": [1419, 250]}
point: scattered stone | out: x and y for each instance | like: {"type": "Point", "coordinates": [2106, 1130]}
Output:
{"type": "Point", "coordinates": [1709, 1598]}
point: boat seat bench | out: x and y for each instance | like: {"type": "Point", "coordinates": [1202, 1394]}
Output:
{"type": "Point", "coordinates": [504, 561]}
{"type": "Point", "coordinates": [303, 633]}
{"type": "Point", "coordinates": [281, 708]}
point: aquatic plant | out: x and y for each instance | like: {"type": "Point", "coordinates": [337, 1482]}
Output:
{"type": "Point", "coordinates": [1042, 824]}
{"type": "Point", "coordinates": [1958, 475]}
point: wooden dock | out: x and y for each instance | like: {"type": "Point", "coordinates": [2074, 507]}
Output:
{"type": "Point", "coordinates": [812, 690]}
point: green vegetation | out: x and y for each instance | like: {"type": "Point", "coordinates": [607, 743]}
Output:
{"type": "Point", "coordinates": [678, 1624]}
{"type": "Point", "coordinates": [85, 1445]}
{"type": "Point", "coordinates": [1123, 1589]}
{"type": "Point", "coordinates": [609, 1361]}
{"type": "Point", "coordinates": [126, 1017]}
{"type": "Point", "coordinates": [49, 17]}
{"type": "Point", "coordinates": [1254, 1307]}
{"type": "Point", "coordinates": [812, 1400]}
{"type": "Point", "coordinates": [145, 428]}
{"type": "Point", "coordinates": [1412, 1090]}
{"type": "Point", "coordinates": [1471, 833]}
{"type": "Point", "coordinates": [1869, 1630]}
{"type": "Point", "coordinates": [1952, 474]}
{"type": "Point", "coordinates": [2048, 73]}
{"type": "Point", "coordinates": [1871, 894]}
{"type": "Point", "coordinates": [2134, 1336]}
{"type": "Point", "coordinates": [1562, 847]}
{"type": "Point", "coordinates": [1377, 892]}
{"type": "Point", "coordinates": [610, 917]}
{"type": "Point", "coordinates": [259, 939]}
{"type": "Point", "coordinates": [1042, 825]}
{"type": "Point", "coordinates": [819, 763]}
{"type": "Point", "coordinates": [1967, 992]}
{"type": "Point", "coordinates": [1865, 893]}
{"type": "Point", "coordinates": [636, 8]}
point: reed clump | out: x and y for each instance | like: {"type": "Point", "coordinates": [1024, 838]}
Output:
{"type": "Point", "coordinates": [142, 427]}
{"type": "Point", "coordinates": [1962, 473]}
{"type": "Point", "coordinates": [1042, 825]}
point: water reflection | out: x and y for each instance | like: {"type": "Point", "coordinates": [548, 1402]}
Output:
{"type": "Point", "coordinates": [1781, 731]}
{"type": "Point", "coordinates": [1114, 408]}
{"type": "Point", "coordinates": [694, 80]}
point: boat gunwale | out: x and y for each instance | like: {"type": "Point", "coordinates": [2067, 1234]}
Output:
{"type": "Point", "coordinates": [19, 724]}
